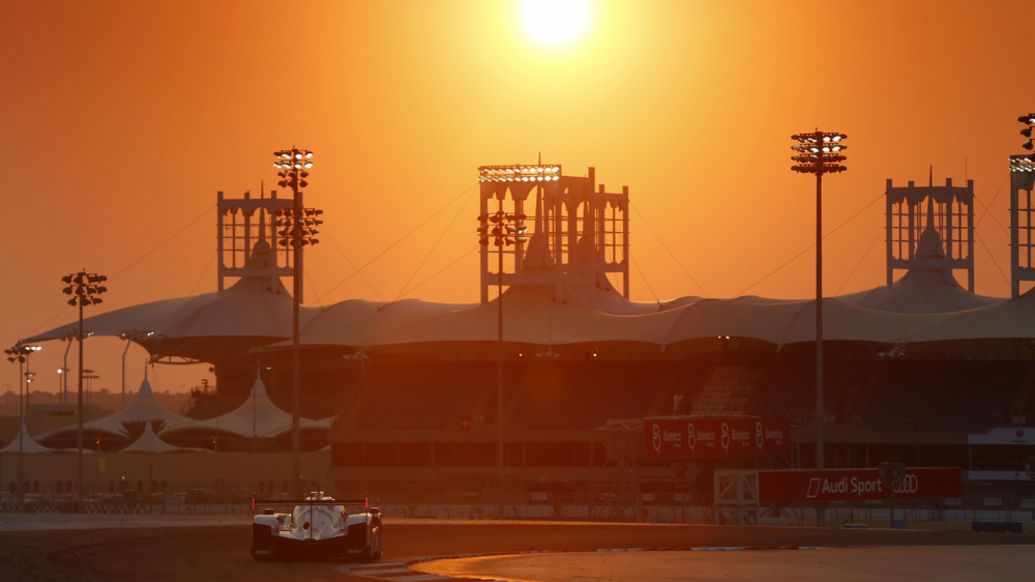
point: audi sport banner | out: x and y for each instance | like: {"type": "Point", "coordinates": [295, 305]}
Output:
{"type": "Point", "coordinates": [692, 437]}
{"type": "Point", "coordinates": [852, 484]}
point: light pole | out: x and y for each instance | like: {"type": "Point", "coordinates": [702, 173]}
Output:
{"type": "Point", "coordinates": [63, 372]}
{"type": "Point", "coordinates": [89, 376]}
{"type": "Point", "coordinates": [297, 229]}
{"type": "Point", "coordinates": [20, 354]}
{"type": "Point", "coordinates": [85, 289]}
{"type": "Point", "coordinates": [1025, 162]}
{"type": "Point", "coordinates": [501, 230]}
{"type": "Point", "coordinates": [819, 152]}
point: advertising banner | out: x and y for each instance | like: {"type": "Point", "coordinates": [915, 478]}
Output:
{"type": "Point", "coordinates": [692, 437]}
{"type": "Point", "coordinates": [796, 486]}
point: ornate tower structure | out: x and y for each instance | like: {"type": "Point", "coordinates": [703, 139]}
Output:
{"type": "Point", "coordinates": [930, 227]}
{"type": "Point", "coordinates": [248, 241]}
{"type": "Point", "coordinates": [577, 233]}
{"type": "Point", "coordinates": [1022, 178]}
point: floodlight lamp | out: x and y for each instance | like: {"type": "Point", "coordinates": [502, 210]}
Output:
{"type": "Point", "coordinates": [66, 279]}
{"type": "Point", "coordinates": [309, 155]}
{"type": "Point", "coordinates": [308, 165]}
{"type": "Point", "coordinates": [1028, 119]}
{"type": "Point", "coordinates": [1027, 145]}
{"type": "Point", "coordinates": [72, 301]}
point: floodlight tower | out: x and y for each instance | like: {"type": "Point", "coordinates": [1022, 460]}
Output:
{"type": "Point", "coordinates": [85, 289]}
{"type": "Point", "coordinates": [297, 230]}
{"type": "Point", "coordinates": [819, 153]}
{"type": "Point", "coordinates": [1022, 179]}
{"type": "Point", "coordinates": [579, 238]}
{"type": "Point", "coordinates": [502, 229]}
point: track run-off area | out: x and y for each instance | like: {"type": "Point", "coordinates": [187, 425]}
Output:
{"type": "Point", "coordinates": [205, 551]}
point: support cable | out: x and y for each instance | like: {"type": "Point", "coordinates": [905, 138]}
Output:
{"type": "Point", "coordinates": [405, 288]}
{"type": "Point", "coordinates": [668, 250]}
{"type": "Point", "coordinates": [398, 241]}
{"type": "Point", "coordinates": [646, 282]}
{"type": "Point", "coordinates": [442, 270]}
{"type": "Point", "coordinates": [812, 245]}
{"type": "Point", "coordinates": [859, 262]}
{"type": "Point", "coordinates": [162, 243]}
{"type": "Point", "coordinates": [987, 208]}
{"type": "Point", "coordinates": [135, 262]}
{"type": "Point", "coordinates": [992, 256]}
{"type": "Point", "coordinates": [351, 264]}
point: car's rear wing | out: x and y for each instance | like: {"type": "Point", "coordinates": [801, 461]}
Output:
{"type": "Point", "coordinates": [364, 501]}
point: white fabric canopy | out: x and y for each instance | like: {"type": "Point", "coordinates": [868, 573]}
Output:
{"type": "Point", "coordinates": [28, 445]}
{"type": "Point", "coordinates": [144, 409]}
{"type": "Point", "coordinates": [925, 305]}
{"type": "Point", "coordinates": [149, 442]}
{"type": "Point", "coordinates": [252, 307]}
{"type": "Point", "coordinates": [257, 417]}
{"type": "Point", "coordinates": [921, 291]}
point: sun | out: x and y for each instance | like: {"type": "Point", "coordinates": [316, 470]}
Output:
{"type": "Point", "coordinates": [555, 22]}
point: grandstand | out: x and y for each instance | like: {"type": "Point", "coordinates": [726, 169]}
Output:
{"type": "Point", "coordinates": [920, 371]}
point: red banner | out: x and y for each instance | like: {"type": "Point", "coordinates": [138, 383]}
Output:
{"type": "Point", "coordinates": [851, 484]}
{"type": "Point", "coordinates": [692, 437]}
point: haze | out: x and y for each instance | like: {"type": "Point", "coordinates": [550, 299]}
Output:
{"type": "Point", "coordinates": [121, 120]}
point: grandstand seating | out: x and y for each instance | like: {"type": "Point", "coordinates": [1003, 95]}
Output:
{"type": "Point", "coordinates": [944, 396]}
{"type": "Point", "coordinates": [901, 395]}
{"type": "Point", "coordinates": [727, 390]}
{"type": "Point", "coordinates": [397, 398]}
{"type": "Point", "coordinates": [582, 397]}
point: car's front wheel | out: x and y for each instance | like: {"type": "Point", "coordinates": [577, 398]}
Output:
{"type": "Point", "coordinates": [373, 551]}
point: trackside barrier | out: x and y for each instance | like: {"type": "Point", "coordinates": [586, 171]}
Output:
{"type": "Point", "coordinates": [785, 515]}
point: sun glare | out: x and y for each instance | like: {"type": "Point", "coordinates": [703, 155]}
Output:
{"type": "Point", "coordinates": [555, 22]}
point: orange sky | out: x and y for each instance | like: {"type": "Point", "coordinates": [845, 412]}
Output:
{"type": "Point", "coordinates": [120, 120]}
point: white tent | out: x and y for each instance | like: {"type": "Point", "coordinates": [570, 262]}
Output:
{"type": "Point", "coordinates": [257, 417]}
{"type": "Point", "coordinates": [24, 443]}
{"type": "Point", "coordinates": [149, 442]}
{"type": "Point", "coordinates": [144, 409]}
{"type": "Point", "coordinates": [921, 291]}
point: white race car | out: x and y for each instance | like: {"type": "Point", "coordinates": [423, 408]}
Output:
{"type": "Point", "coordinates": [318, 527]}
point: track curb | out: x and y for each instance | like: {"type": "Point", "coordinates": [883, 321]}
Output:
{"type": "Point", "coordinates": [402, 569]}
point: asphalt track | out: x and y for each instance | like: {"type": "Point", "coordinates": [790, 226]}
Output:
{"type": "Point", "coordinates": [221, 552]}
{"type": "Point", "coordinates": [850, 564]}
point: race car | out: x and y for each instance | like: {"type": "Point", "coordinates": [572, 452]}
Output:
{"type": "Point", "coordinates": [318, 527]}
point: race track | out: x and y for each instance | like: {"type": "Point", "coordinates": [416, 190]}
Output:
{"type": "Point", "coordinates": [221, 552]}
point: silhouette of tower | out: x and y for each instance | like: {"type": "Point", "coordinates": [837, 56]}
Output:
{"type": "Point", "coordinates": [1021, 244]}
{"type": "Point", "coordinates": [247, 239]}
{"type": "Point", "coordinates": [578, 236]}
{"type": "Point", "coordinates": [930, 227]}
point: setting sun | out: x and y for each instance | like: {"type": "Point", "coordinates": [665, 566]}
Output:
{"type": "Point", "coordinates": [555, 22]}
